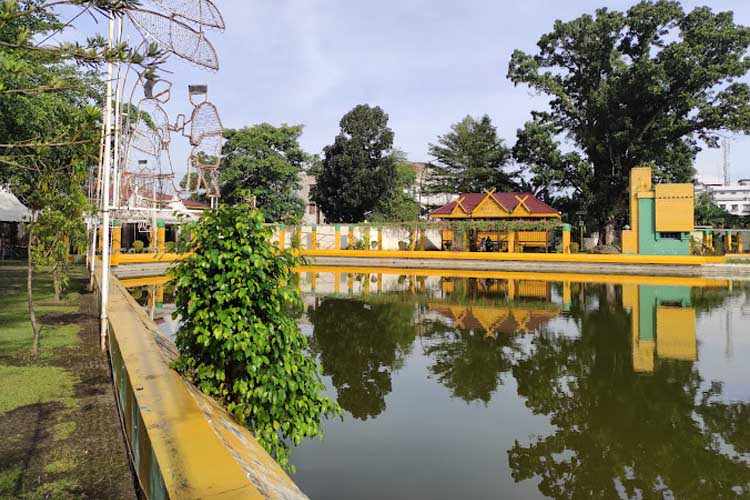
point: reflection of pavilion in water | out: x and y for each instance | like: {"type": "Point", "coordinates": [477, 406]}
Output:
{"type": "Point", "coordinates": [662, 324]}
{"type": "Point", "coordinates": [514, 316]}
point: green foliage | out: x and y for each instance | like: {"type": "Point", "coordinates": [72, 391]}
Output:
{"type": "Point", "coordinates": [649, 86]}
{"type": "Point", "coordinates": [267, 161]}
{"type": "Point", "coordinates": [575, 247]}
{"type": "Point", "coordinates": [471, 158]}
{"type": "Point", "coordinates": [138, 246]}
{"type": "Point", "coordinates": [239, 343]}
{"type": "Point", "coordinates": [397, 205]}
{"type": "Point", "coordinates": [403, 245]}
{"type": "Point", "coordinates": [358, 169]}
{"type": "Point", "coordinates": [169, 247]}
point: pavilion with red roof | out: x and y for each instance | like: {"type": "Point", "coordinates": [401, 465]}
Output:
{"type": "Point", "coordinates": [489, 206]}
{"type": "Point", "coordinates": [492, 205]}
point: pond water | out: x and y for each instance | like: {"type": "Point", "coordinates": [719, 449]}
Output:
{"type": "Point", "coordinates": [491, 385]}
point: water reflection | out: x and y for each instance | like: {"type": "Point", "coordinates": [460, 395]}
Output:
{"type": "Point", "coordinates": [631, 415]}
{"type": "Point", "coordinates": [360, 344]}
{"type": "Point", "coordinates": [513, 386]}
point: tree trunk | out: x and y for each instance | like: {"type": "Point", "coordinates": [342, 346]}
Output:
{"type": "Point", "coordinates": [56, 282]}
{"type": "Point", "coordinates": [29, 292]}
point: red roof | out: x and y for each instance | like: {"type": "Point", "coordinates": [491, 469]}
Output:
{"type": "Point", "coordinates": [195, 204]}
{"type": "Point", "coordinates": [470, 201]}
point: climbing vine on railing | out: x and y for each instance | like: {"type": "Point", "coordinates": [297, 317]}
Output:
{"type": "Point", "coordinates": [239, 342]}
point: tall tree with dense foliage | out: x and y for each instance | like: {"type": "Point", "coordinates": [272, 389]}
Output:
{"type": "Point", "coordinates": [358, 169]}
{"type": "Point", "coordinates": [239, 341]}
{"type": "Point", "coordinates": [399, 204]}
{"type": "Point", "coordinates": [471, 158]}
{"type": "Point", "coordinates": [267, 161]}
{"type": "Point", "coordinates": [649, 86]}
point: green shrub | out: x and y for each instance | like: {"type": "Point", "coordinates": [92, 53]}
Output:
{"type": "Point", "coordinates": [137, 246]}
{"type": "Point", "coordinates": [239, 342]}
{"type": "Point", "coordinates": [169, 247]}
{"type": "Point", "coordinates": [403, 245]}
{"type": "Point", "coordinates": [574, 247]}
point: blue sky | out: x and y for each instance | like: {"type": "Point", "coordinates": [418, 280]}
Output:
{"type": "Point", "coordinates": [426, 63]}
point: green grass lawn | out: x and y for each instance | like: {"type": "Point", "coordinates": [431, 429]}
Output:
{"type": "Point", "coordinates": [60, 436]}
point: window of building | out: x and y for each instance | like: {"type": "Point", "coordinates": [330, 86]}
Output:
{"type": "Point", "coordinates": [735, 208]}
{"type": "Point", "coordinates": [671, 236]}
{"type": "Point", "coordinates": [311, 208]}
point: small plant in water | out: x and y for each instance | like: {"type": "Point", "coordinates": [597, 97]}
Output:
{"type": "Point", "coordinates": [239, 341]}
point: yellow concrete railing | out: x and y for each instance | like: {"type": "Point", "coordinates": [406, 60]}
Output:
{"type": "Point", "coordinates": [145, 258]}
{"type": "Point", "coordinates": [183, 444]}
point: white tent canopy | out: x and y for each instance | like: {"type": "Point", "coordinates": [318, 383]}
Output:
{"type": "Point", "coordinates": [12, 210]}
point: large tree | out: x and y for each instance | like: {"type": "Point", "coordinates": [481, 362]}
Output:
{"type": "Point", "coordinates": [471, 158]}
{"type": "Point", "coordinates": [267, 161]}
{"type": "Point", "coordinates": [649, 86]}
{"type": "Point", "coordinates": [358, 169]}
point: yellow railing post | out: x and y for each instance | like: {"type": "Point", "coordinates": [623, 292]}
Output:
{"type": "Point", "coordinates": [412, 239]}
{"type": "Point", "coordinates": [161, 235]}
{"type": "Point", "coordinates": [421, 239]}
{"type": "Point", "coordinates": [380, 238]}
{"type": "Point", "coordinates": [100, 239]}
{"type": "Point", "coordinates": [740, 243]}
{"type": "Point", "coordinates": [512, 235]}
{"type": "Point", "coordinates": [729, 243]}
{"type": "Point", "coordinates": [159, 296]}
{"type": "Point", "coordinates": [351, 238]}
{"type": "Point", "coordinates": [116, 243]}
{"type": "Point", "coordinates": [298, 238]}
{"type": "Point", "coordinates": [314, 238]}
{"type": "Point", "coordinates": [313, 281]}
{"type": "Point", "coordinates": [566, 238]}
{"type": "Point", "coordinates": [337, 238]}
{"type": "Point", "coordinates": [368, 246]}
{"type": "Point", "coordinates": [282, 236]}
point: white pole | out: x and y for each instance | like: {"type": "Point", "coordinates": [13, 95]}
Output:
{"type": "Point", "coordinates": [118, 96]}
{"type": "Point", "coordinates": [105, 192]}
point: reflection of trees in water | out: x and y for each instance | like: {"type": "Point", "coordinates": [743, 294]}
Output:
{"type": "Point", "coordinates": [360, 344]}
{"type": "Point", "coordinates": [468, 363]}
{"type": "Point", "coordinates": [618, 432]}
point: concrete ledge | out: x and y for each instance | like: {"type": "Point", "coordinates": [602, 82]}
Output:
{"type": "Point", "coordinates": [695, 270]}
{"type": "Point", "coordinates": [183, 444]}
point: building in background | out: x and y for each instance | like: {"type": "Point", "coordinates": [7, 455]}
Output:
{"type": "Point", "coordinates": [426, 200]}
{"type": "Point", "coordinates": [312, 215]}
{"type": "Point", "coordinates": [12, 215]}
{"type": "Point", "coordinates": [734, 198]}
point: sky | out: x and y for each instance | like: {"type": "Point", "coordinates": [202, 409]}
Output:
{"type": "Point", "coordinates": [427, 63]}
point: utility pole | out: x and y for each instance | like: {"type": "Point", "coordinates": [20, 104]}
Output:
{"type": "Point", "coordinates": [726, 146]}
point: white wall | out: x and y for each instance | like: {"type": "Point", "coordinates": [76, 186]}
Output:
{"type": "Point", "coordinates": [326, 236]}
